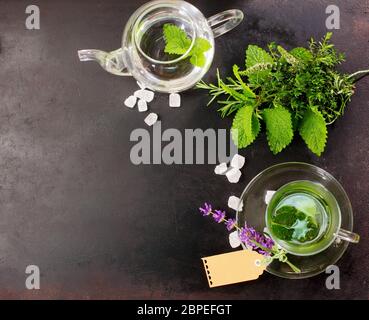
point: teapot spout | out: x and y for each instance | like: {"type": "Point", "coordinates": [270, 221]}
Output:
{"type": "Point", "coordinates": [109, 61]}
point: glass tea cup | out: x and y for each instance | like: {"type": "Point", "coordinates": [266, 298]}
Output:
{"type": "Point", "coordinates": [319, 222]}
{"type": "Point", "coordinates": [142, 52]}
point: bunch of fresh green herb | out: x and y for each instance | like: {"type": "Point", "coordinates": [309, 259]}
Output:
{"type": "Point", "coordinates": [178, 42]}
{"type": "Point", "coordinates": [290, 91]}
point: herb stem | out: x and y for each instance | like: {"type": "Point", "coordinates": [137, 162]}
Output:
{"type": "Point", "coordinates": [293, 267]}
{"type": "Point", "coordinates": [364, 72]}
{"type": "Point", "coordinates": [281, 257]}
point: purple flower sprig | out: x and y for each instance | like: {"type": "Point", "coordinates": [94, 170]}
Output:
{"type": "Point", "coordinates": [254, 240]}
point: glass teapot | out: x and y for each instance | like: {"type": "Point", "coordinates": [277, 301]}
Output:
{"type": "Point", "coordinates": [142, 53]}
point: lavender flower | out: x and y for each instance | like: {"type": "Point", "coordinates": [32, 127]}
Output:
{"type": "Point", "coordinates": [255, 240]}
{"type": "Point", "coordinates": [230, 224]}
{"type": "Point", "coordinates": [206, 210]}
{"type": "Point", "coordinates": [219, 215]}
{"type": "Point", "coordinates": [248, 235]}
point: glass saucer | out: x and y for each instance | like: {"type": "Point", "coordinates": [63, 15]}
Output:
{"type": "Point", "coordinates": [254, 207]}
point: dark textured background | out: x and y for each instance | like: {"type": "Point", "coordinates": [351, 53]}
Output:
{"type": "Point", "coordinates": [99, 227]}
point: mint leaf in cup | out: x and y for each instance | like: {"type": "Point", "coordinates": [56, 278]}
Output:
{"type": "Point", "coordinates": [289, 223]}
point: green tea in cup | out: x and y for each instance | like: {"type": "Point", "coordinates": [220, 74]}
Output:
{"type": "Point", "coordinates": [303, 217]}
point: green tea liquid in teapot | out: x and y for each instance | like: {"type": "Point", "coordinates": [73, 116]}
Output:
{"type": "Point", "coordinates": [142, 53]}
{"type": "Point", "coordinates": [152, 44]}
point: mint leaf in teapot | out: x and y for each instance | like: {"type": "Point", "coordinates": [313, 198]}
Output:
{"type": "Point", "coordinates": [197, 53]}
{"type": "Point", "coordinates": [178, 42]}
{"type": "Point", "coordinates": [201, 45]}
{"type": "Point", "coordinates": [198, 59]}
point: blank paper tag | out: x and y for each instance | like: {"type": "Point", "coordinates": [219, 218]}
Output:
{"type": "Point", "coordinates": [233, 267]}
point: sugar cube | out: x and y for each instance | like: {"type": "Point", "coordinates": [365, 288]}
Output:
{"type": "Point", "coordinates": [237, 161]}
{"type": "Point", "coordinates": [233, 175]}
{"type": "Point", "coordinates": [234, 239]}
{"type": "Point", "coordinates": [142, 105]}
{"type": "Point", "coordinates": [151, 119]}
{"type": "Point", "coordinates": [268, 196]}
{"type": "Point", "coordinates": [146, 95]}
{"type": "Point", "coordinates": [174, 100]}
{"type": "Point", "coordinates": [221, 168]}
{"type": "Point", "coordinates": [130, 101]}
{"type": "Point", "coordinates": [235, 203]}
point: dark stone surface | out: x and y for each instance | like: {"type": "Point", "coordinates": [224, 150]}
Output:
{"type": "Point", "coordinates": [72, 203]}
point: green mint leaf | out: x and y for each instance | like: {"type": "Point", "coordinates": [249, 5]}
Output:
{"type": "Point", "coordinates": [256, 55]}
{"type": "Point", "coordinates": [279, 128]}
{"type": "Point", "coordinates": [198, 59]}
{"type": "Point", "coordinates": [202, 45]}
{"type": "Point", "coordinates": [258, 62]}
{"type": "Point", "coordinates": [302, 54]}
{"type": "Point", "coordinates": [281, 232]}
{"type": "Point", "coordinates": [288, 56]}
{"type": "Point", "coordinates": [301, 229]}
{"type": "Point", "coordinates": [289, 223]}
{"type": "Point", "coordinates": [255, 126]}
{"type": "Point", "coordinates": [285, 216]}
{"type": "Point", "coordinates": [259, 67]}
{"type": "Point", "coordinates": [312, 232]}
{"type": "Point", "coordinates": [176, 40]}
{"type": "Point", "coordinates": [245, 126]}
{"type": "Point", "coordinates": [313, 131]}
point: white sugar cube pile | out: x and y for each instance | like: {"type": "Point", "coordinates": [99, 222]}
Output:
{"type": "Point", "coordinates": [143, 96]}
{"type": "Point", "coordinates": [233, 173]}
{"type": "Point", "coordinates": [140, 97]}
{"type": "Point", "coordinates": [174, 100]}
{"type": "Point", "coordinates": [151, 119]}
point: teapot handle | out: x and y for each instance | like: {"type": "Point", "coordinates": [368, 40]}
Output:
{"type": "Point", "coordinates": [348, 236]}
{"type": "Point", "coordinates": [225, 21]}
{"type": "Point", "coordinates": [109, 61]}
